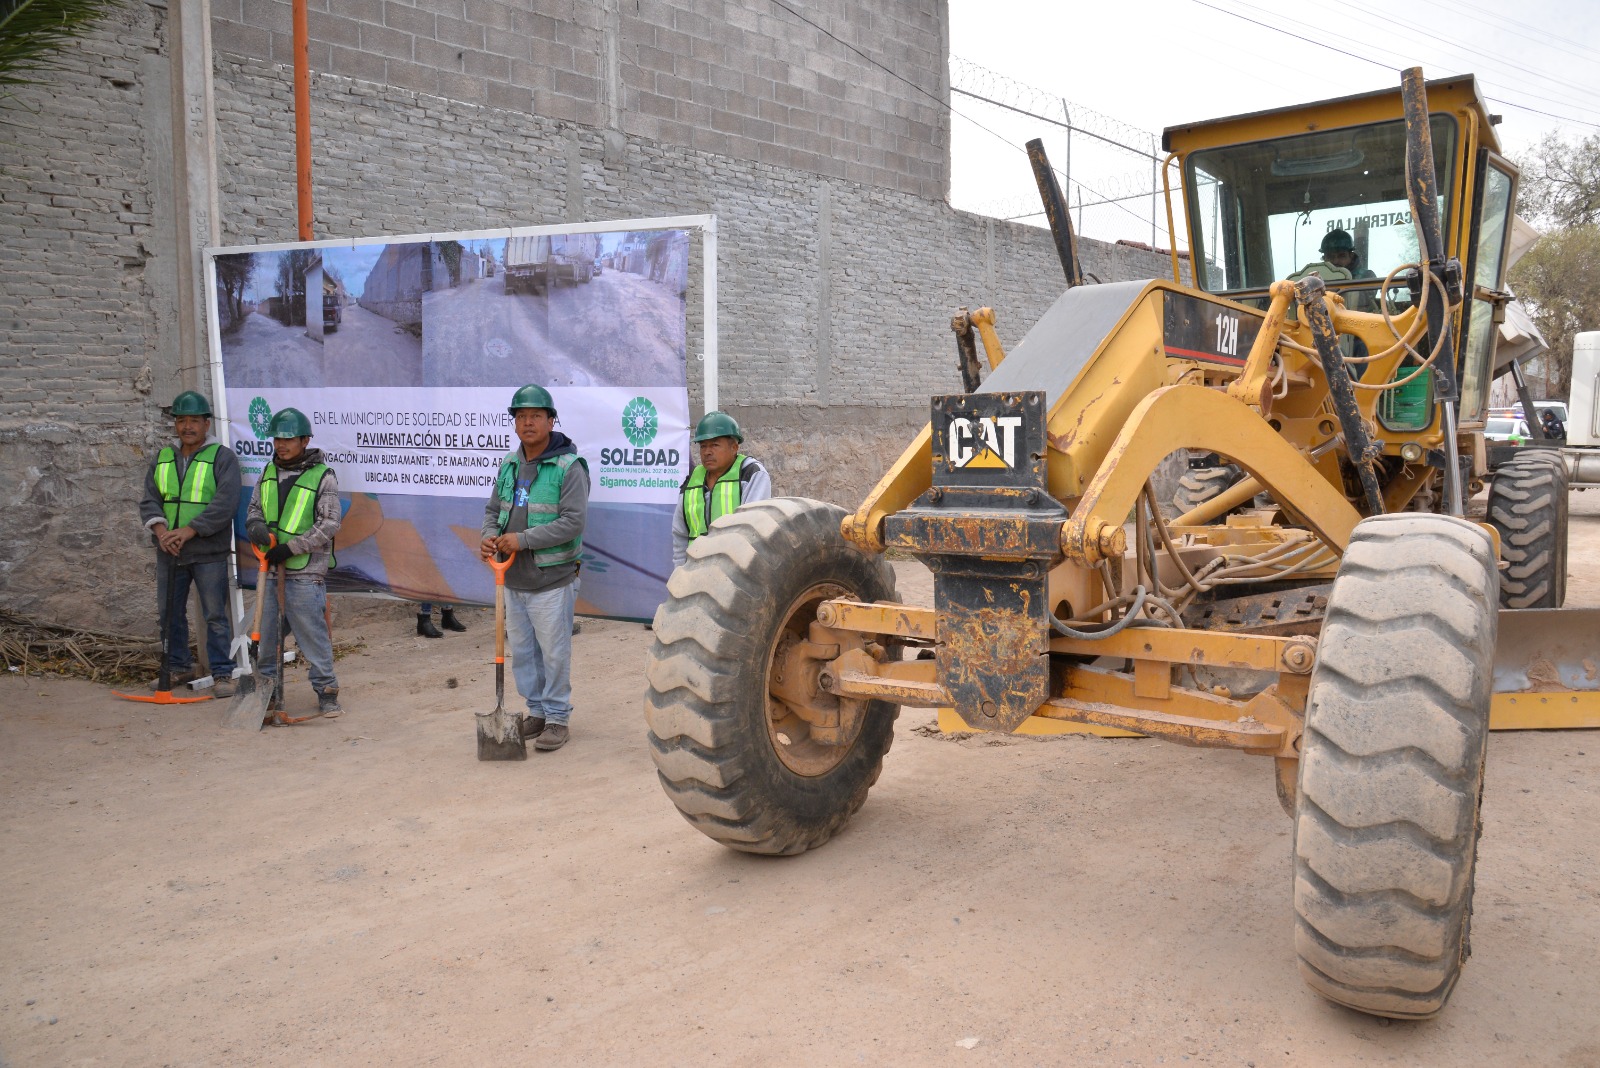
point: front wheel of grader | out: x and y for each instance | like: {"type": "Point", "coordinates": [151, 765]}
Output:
{"type": "Point", "coordinates": [1391, 766]}
{"type": "Point", "coordinates": [748, 753]}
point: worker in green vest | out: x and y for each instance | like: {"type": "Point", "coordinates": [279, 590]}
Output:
{"type": "Point", "coordinates": [191, 493]}
{"type": "Point", "coordinates": [724, 479]}
{"type": "Point", "coordinates": [538, 509]}
{"type": "Point", "coordinates": [295, 508]}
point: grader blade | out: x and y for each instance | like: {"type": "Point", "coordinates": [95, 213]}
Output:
{"type": "Point", "coordinates": [1546, 670]}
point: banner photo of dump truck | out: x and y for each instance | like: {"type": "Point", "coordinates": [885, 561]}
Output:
{"type": "Point", "coordinates": [404, 353]}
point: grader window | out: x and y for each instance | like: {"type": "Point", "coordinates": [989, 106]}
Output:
{"type": "Point", "coordinates": [1260, 211]}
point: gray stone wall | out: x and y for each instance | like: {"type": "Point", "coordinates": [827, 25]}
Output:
{"type": "Point", "coordinates": [839, 266]}
{"type": "Point", "coordinates": [87, 296]}
{"type": "Point", "coordinates": [737, 78]}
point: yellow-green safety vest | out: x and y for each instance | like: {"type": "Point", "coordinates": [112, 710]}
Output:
{"type": "Point", "coordinates": [726, 494]}
{"type": "Point", "coordinates": [181, 503]}
{"type": "Point", "coordinates": [544, 498]}
{"type": "Point", "coordinates": [300, 510]}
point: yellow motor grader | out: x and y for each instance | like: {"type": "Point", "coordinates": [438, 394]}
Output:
{"type": "Point", "coordinates": [1321, 598]}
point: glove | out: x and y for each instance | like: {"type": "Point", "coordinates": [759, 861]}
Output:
{"type": "Point", "coordinates": [278, 554]}
{"type": "Point", "coordinates": [257, 533]}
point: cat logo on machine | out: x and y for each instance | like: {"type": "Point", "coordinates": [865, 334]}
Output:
{"type": "Point", "coordinates": [983, 441]}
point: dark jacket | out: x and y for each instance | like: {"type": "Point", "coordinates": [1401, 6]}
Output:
{"type": "Point", "coordinates": [213, 527]}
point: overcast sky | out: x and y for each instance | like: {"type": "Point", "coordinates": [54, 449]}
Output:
{"type": "Point", "coordinates": [1149, 64]}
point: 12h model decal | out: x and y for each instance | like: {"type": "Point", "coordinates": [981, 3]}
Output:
{"type": "Point", "coordinates": [984, 441]}
{"type": "Point", "coordinates": [1208, 331]}
{"type": "Point", "coordinates": [1228, 335]}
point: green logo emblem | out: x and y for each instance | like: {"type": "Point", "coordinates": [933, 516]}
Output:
{"type": "Point", "coordinates": [260, 417]}
{"type": "Point", "coordinates": [639, 421]}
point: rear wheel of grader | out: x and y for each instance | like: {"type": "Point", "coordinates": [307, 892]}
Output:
{"type": "Point", "coordinates": [1528, 506]}
{"type": "Point", "coordinates": [743, 766]}
{"type": "Point", "coordinates": [1391, 766]}
{"type": "Point", "coordinates": [1200, 484]}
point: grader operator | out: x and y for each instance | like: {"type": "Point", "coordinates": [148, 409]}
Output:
{"type": "Point", "coordinates": [1329, 606]}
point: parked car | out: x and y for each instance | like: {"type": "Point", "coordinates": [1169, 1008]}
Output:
{"type": "Point", "coordinates": [598, 270]}
{"type": "Point", "coordinates": [1506, 428]}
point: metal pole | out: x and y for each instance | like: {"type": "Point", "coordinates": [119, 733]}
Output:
{"type": "Point", "coordinates": [302, 117]}
{"type": "Point", "coordinates": [1155, 186]}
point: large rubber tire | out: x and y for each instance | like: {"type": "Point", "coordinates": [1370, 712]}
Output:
{"type": "Point", "coordinates": [1528, 506]}
{"type": "Point", "coordinates": [1391, 766]}
{"type": "Point", "coordinates": [1200, 484]}
{"type": "Point", "coordinates": [756, 574]}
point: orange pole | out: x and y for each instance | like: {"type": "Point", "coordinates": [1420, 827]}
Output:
{"type": "Point", "coordinates": [302, 118]}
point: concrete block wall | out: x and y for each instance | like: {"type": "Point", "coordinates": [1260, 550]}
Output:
{"type": "Point", "coordinates": [87, 297]}
{"type": "Point", "coordinates": [736, 78]}
{"type": "Point", "coordinates": [840, 262]}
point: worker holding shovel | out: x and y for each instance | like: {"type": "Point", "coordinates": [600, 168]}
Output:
{"type": "Point", "coordinates": [538, 510]}
{"type": "Point", "coordinates": [191, 493]}
{"type": "Point", "coordinates": [296, 502]}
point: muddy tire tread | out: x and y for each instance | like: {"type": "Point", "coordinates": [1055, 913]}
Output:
{"type": "Point", "coordinates": [1391, 768]}
{"type": "Point", "coordinates": [1528, 506]}
{"type": "Point", "coordinates": [706, 709]}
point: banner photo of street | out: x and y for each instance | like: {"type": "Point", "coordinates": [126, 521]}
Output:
{"type": "Point", "coordinates": [404, 355]}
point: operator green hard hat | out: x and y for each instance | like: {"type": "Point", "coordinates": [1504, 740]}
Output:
{"type": "Point", "coordinates": [533, 397]}
{"type": "Point", "coordinates": [1337, 241]}
{"type": "Point", "coordinates": [289, 423]}
{"type": "Point", "coordinates": [191, 403]}
{"type": "Point", "coordinates": [717, 425]}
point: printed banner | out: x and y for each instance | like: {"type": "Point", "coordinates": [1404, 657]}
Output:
{"type": "Point", "coordinates": [404, 357]}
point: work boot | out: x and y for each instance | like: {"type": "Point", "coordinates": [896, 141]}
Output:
{"type": "Point", "coordinates": [554, 736]}
{"type": "Point", "coordinates": [448, 620]}
{"type": "Point", "coordinates": [577, 626]}
{"type": "Point", "coordinates": [530, 726]}
{"type": "Point", "coordinates": [328, 705]}
{"type": "Point", "coordinates": [223, 688]}
{"type": "Point", "coordinates": [425, 627]}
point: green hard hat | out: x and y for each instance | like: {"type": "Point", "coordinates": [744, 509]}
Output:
{"type": "Point", "coordinates": [717, 425]}
{"type": "Point", "coordinates": [289, 423]}
{"type": "Point", "coordinates": [1337, 241]}
{"type": "Point", "coordinates": [191, 403]}
{"type": "Point", "coordinates": [533, 397]}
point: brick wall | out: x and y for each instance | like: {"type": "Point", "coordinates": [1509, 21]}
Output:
{"type": "Point", "coordinates": [85, 353]}
{"type": "Point", "coordinates": [735, 78]}
{"type": "Point", "coordinates": [839, 269]}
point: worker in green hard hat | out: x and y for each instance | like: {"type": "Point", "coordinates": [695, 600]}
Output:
{"type": "Point", "coordinates": [538, 509]}
{"type": "Point", "coordinates": [724, 479]}
{"type": "Point", "coordinates": [191, 492]}
{"type": "Point", "coordinates": [295, 509]}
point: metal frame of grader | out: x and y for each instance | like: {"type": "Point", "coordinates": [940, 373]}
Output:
{"type": "Point", "coordinates": [1345, 627]}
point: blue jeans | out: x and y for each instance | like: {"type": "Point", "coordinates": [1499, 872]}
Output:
{"type": "Point", "coordinates": [539, 630]}
{"type": "Point", "coordinates": [211, 580]}
{"type": "Point", "coordinates": [305, 605]}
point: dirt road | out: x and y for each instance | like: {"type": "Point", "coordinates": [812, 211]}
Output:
{"type": "Point", "coordinates": [363, 891]}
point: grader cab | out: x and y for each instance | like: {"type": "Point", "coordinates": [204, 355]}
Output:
{"type": "Point", "coordinates": [1321, 596]}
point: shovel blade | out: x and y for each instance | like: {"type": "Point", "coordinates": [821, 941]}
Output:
{"type": "Point", "coordinates": [248, 710]}
{"type": "Point", "coordinates": [500, 736]}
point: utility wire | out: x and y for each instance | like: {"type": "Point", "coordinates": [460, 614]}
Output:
{"type": "Point", "coordinates": [1377, 63]}
{"type": "Point", "coordinates": [947, 106]}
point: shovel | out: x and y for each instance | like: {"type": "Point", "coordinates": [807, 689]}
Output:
{"type": "Point", "coordinates": [249, 708]}
{"type": "Point", "coordinates": [163, 694]}
{"type": "Point", "coordinates": [500, 731]}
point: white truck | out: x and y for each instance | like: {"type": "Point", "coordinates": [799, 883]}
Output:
{"type": "Point", "coordinates": [534, 263]}
{"type": "Point", "coordinates": [1581, 455]}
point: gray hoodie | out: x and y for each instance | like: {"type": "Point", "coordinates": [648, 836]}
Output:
{"type": "Point", "coordinates": [572, 515]}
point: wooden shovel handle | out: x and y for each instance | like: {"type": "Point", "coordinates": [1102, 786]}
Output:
{"type": "Point", "coordinates": [500, 568]}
